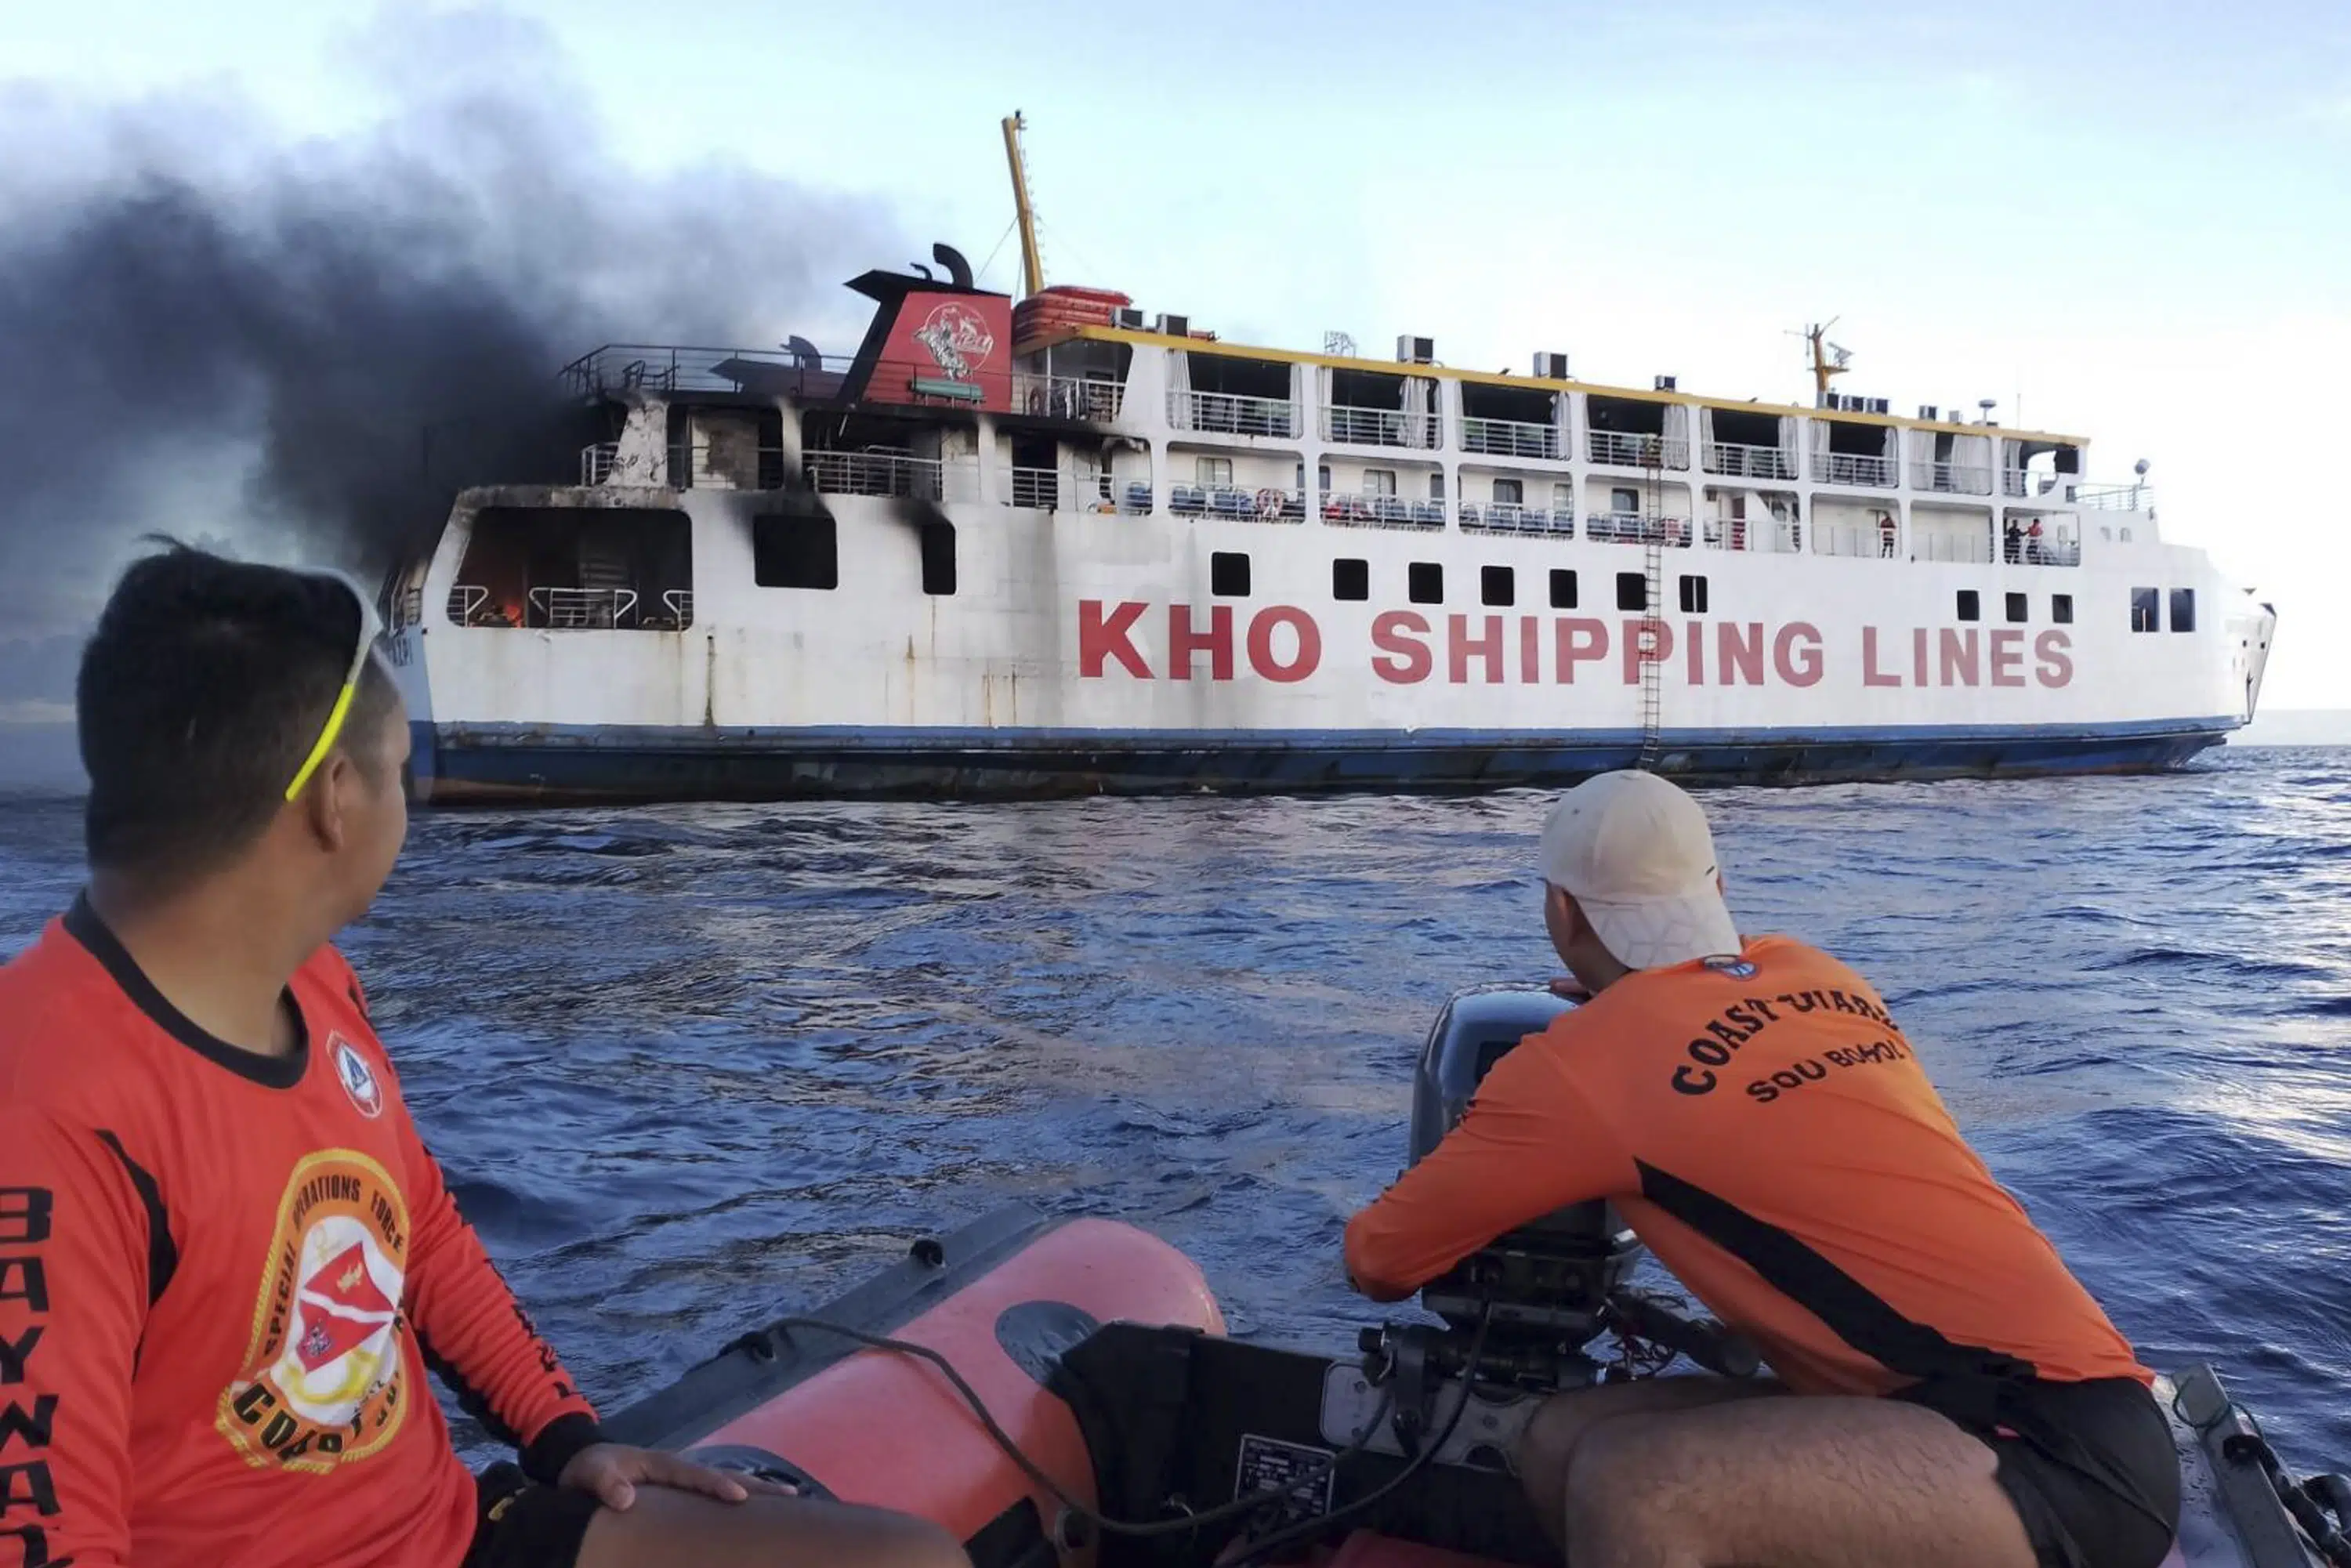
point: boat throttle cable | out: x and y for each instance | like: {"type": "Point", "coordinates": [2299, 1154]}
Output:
{"type": "Point", "coordinates": [1238, 1508]}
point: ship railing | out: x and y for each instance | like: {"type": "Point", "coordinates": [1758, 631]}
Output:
{"type": "Point", "coordinates": [1636, 451]}
{"type": "Point", "coordinates": [621, 368]}
{"type": "Point", "coordinates": [2046, 551]}
{"type": "Point", "coordinates": [2027, 482]}
{"type": "Point", "coordinates": [1750, 462]}
{"type": "Point", "coordinates": [1378, 511]}
{"type": "Point", "coordinates": [1084, 398]}
{"type": "Point", "coordinates": [466, 601]}
{"type": "Point", "coordinates": [1040, 488]}
{"type": "Point", "coordinates": [1952, 478]}
{"type": "Point", "coordinates": [889, 473]}
{"type": "Point", "coordinates": [1512, 438]}
{"type": "Point", "coordinates": [678, 604]}
{"type": "Point", "coordinates": [596, 461]}
{"type": "Point", "coordinates": [1271, 504]}
{"type": "Point", "coordinates": [1633, 528]}
{"type": "Point", "coordinates": [579, 609]}
{"type": "Point", "coordinates": [1379, 426]}
{"type": "Point", "coordinates": [2116, 497]}
{"type": "Point", "coordinates": [1515, 517]}
{"type": "Point", "coordinates": [1853, 468]}
{"type": "Point", "coordinates": [1231, 413]}
{"type": "Point", "coordinates": [1951, 549]}
{"type": "Point", "coordinates": [1856, 539]}
{"type": "Point", "coordinates": [1726, 533]}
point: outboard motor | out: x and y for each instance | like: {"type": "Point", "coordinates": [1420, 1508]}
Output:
{"type": "Point", "coordinates": [1547, 1281]}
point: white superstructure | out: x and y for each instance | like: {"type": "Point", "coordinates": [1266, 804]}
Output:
{"type": "Point", "coordinates": [1068, 547]}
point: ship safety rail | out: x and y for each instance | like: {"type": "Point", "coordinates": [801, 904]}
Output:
{"type": "Point", "coordinates": [1379, 426]}
{"type": "Point", "coordinates": [677, 604]}
{"type": "Point", "coordinates": [1512, 438]}
{"type": "Point", "coordinates": [596, 461]}
{"type": "Point", "coordinates": [1952, 478]}
{"type": "Point", "coordinates": [1234, 504]}
{"type": "Point", "coordinates": [1512, 518]}
{"type": "Point", "coordinates": [1091, 399]}
{"type": "Point", "coordinates": [1382, 511]}
{"type": "Point", "coordinates": [1873, 541]}
{"type": "Point", "coordinates": [1970, 549]}
{"type": "Point", "coordinates": [1625, 449]}
{"type": "Point", "coordinates": [1231, 413]}
{"type": "Point", "coordinates": [1750, 461]}
{"type": "Point", "coordinates": [1854, 468]}
{"type": "Point", "coordinates": [469, 605]}
{"type": "Point", "coordinates": [579, 609]}
{"type": "Point", "coordinates": [617, 369]}
{"type": "Point", "coordinates": [2052, 548]}
{"type": "Point", "coordinates": [2116, 497]}
{"type": "Point", "coordinates": [2026, 482]}
{"type": "Point", "coordinates": [891, 474]}
{"type": "Point", "coordinates": [1633, 528]}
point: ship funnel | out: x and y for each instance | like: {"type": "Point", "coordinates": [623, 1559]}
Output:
{"type": "Point", "coordinates": [958, 269]}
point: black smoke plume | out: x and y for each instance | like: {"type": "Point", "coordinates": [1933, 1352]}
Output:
{"type": "Point", "coordinates": [305, 348]}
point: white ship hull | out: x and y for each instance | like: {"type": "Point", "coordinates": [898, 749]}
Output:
{"type": "Point", "coordinates": [1053, 670]}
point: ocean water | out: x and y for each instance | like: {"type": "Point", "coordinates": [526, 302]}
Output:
{"type": "Point", "coordinates": [690, 1066]}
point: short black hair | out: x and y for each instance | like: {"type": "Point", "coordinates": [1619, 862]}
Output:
{"type": "Point", "coordinates": [203, 689]}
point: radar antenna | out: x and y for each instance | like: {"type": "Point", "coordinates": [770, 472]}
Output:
{"type": "Point", "coordinates": [1032, 267]}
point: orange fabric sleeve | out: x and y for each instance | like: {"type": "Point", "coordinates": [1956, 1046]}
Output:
{"type": "Point", "coordinates": [74, 1251]}
{"type": "Point", "coordinates": [1529, 1144]}
{"type": "Point", "coordinates": [478, 1337]}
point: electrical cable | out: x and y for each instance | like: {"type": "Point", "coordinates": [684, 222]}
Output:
{"type": "Point", "coordinates": [1238, 1508]}
{"type": "Point", "coordinates": [1306, 1528]}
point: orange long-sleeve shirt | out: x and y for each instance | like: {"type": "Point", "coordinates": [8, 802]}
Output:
{"type": "Point", "coordinates": [1764, 1126]}
{"type": "Point", "coordinates": [222, 1279]}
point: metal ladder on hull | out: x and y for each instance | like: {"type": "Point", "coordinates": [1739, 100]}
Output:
{"type": "Point", "coordinates": [1653, 624]}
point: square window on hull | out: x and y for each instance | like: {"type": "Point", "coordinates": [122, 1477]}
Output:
{"type": "Point", "coordinates": [2060, 609]}
{"type": "Point", "coordinates": [1971, 606]}
{"type": "Point", "coordinates": [1425, 582]}
{"type": "Point", "coordinates": [1632, 590]}
{"type": "Point", "coordinates": [1497, 585]}
{"type": "Point", "coordinates": [2017, 607]}
{"type": "Point", "coordinates": [1563, 587]}
{"type": "Point", "coordinates": [1351, 579]}
{"type": "Point", "coordinates": [2183, 609]}
{"type": "Point", "coordinates": [795, 552]}
{"type": "Point", "coordinates": [2146, 608]}
{"type": "Point", "coordinates": [1229, 574]}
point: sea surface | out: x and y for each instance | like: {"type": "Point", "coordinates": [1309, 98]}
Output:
{"type": "Point", "coordinates": [690, 1066]}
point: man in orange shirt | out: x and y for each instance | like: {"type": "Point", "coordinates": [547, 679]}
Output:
{"type": "Point", "coordinates": [226, 1261]}
{"type": "Point", "coordinates": [1763, 1124]}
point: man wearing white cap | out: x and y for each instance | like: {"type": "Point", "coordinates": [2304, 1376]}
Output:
{"type": "Point", "coordinates": [1761, 1121]}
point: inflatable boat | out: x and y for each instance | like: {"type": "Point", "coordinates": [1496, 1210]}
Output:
{"type": "Point", "coordinates": [1059, 1392]}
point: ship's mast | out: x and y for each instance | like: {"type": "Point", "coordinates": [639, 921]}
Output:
{"type": "Point", "coordinates": [1032, 269]}
{"type": "Point", "coordinates": [1828, 360]}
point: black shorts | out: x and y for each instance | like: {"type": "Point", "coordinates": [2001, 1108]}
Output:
{"type": "Point", "coordinates": [2091, 1467]}
{"type": "Point", "coordinates": [524, 1523]}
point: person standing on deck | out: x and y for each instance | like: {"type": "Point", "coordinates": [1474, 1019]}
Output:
{"type": "Point", "coordinates": [1763, 1124]}
{"type": "Point", "coordinates": [227, 1258]}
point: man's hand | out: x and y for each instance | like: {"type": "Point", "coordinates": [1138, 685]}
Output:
{"type": "Point", "coordinates": [613, 1471]}
{"type": "Point", "coordinates": [1570, 989]}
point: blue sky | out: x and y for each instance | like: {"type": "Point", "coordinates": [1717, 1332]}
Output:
{"type": "Point", "coordinates": [2134, 217]}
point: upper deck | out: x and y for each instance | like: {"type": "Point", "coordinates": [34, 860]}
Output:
{"type": "Point", "coordinates": [1074, 403]}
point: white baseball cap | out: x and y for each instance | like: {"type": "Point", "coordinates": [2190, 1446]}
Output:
{"type": "Point", "coordinates": [1634, 853]}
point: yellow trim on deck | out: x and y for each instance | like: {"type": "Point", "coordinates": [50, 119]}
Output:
{"type": "Point", "coordinates": [1542, 383]}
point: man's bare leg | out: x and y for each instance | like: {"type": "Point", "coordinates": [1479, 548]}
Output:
{"type": "Point", "coordinates": [1817, 1482]}
{"type": "Point", "coordinates": [665, 1526]}
{"type": "Point", "coordinates": [1548, 1446]}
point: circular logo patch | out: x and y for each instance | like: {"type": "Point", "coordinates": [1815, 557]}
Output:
{"type": "Point", "coordinates": [323, 1380]}
{"type": "Point", "coordinates": [358, 1077]}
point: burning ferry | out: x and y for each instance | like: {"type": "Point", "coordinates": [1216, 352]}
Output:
{"type": "Point", "coordinates": [1059, 544]}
